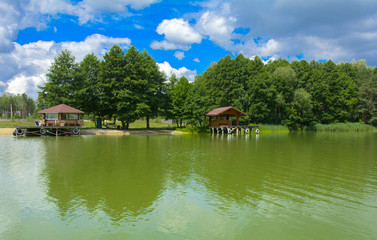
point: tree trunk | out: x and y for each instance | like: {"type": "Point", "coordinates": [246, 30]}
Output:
{"type": "Point", "coordinates": [147, 122]}
{"type": "Point", "coordinates": [127, 126]}
{"type": "Point", "coordinates": [180, 122]}
{"type": "Point", "coordinates": [95, 120]}
{"type": "Point", "coordinates": [123, 124]}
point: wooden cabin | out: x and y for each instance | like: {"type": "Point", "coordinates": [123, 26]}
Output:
{"type": "Point", "coordinates": [222, 117]}
{"type": "Point", "coordinates": [61, 115]}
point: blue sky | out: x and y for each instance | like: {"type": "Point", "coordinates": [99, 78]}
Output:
{"type": "Point", "coordinates": [184, 37]}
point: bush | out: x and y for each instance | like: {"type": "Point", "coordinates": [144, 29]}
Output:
{"type": "Point", "coordinates": [373, 121]}
{"type": "Point", "coordinates": [194, 129]}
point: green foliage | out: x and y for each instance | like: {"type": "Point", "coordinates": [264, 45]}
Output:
{"type": "Point", "coordinates": [178, 91]}
{"type": "Point", "coordinates": [297, 94]}
{"type": "Point", "coordinates": [128, 86]}
{"type": "Point", "coordinates": [194, 129]}
{"type": "Point", "coordinates": [87, 96]}
{"type": "Point", "coordinates": [63, 81]}
{"type": "Point", "coordinates": [18, 106]}
{"type": "Point", "coordinates": [344, 127]}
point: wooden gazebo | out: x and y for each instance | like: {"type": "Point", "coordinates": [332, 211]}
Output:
{"type": "Point", "coordinates": [61, 115]}
{"type": "Point", "coordinates": [220, 121]}
{"type": "Point", "coordinates": [60, 120]}
{"type": "Point", "coordinates": [221, 116]}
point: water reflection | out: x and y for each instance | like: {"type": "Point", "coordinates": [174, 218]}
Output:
{"type": "Point", "coordinates": [118, 175]}
{"type": "Point", "coordinates": [194, 187]}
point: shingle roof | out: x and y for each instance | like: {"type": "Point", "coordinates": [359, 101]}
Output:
{"type": "Point", "coordinates": [220, 110]}
{"type": "Point", "coordinates": [62, 108]}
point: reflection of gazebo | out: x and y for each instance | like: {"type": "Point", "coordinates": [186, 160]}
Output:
{"type": "Point", "coordinates": [221, 116]}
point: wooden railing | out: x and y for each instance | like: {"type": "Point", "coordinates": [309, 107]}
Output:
{"type": "Point", "coordinates": [62, 123]}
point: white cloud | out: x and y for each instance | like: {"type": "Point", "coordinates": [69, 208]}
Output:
{"type": "Point", "coordinates": [196, 60]}
{"type": "Point", "coordinates": [166, 45]}
{"type": "Point", "coordinates": [337, 30]}
{"type": "Point", "coordinates": [178, 35]}
{"type": "Point", "coordinates": [27, 64]}
{"type": "Point", "coordinates": [137, 26]}
{"type": "Point", "coordinates": [217, 27]}
{"type": "Point", "coordinates": [183, 71]}
{"type": "Point", "coordinates": [17, 15]}
{"type": "Point", "coordinates": [179, 55]}
{"type": "Point", "coordinates": [96, 43]}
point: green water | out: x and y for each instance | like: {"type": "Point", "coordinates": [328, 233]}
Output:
{"type": "Point", "coordinates": [282, 186]}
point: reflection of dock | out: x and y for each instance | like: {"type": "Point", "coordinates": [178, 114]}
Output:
{"type": "Point", "coordinates": [234, 129]}
{"type": "Point", "coordinates": [46, 131]}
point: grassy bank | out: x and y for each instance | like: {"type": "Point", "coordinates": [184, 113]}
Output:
{"type": "Point", "coordinates": [343, 127]}
{"type": "Point", "coordinates": [263, 128]}
{"type": "Point", "coordinates": [13, 124]}
{"type": "Point", "coordinates": [266, 128]}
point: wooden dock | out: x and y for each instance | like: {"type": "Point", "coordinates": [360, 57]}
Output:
{"type": "Point", "coordinates": [234, 129]}
{"type": "Point", "coordinates": [46, 131]}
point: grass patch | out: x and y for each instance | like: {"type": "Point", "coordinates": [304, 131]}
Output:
{"type": "Point", "coordinates": [265, 128]}
{"type": "Point", "coordinates": [193, 129]}
{"type": "Point", "coordinates": [343, 127]}
{"type": "Point", "coordinates": [153, 123]}
{"type": "Point", "coordinates": [13, 124]}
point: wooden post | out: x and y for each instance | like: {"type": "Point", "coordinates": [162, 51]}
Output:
{"type": "Point", "coordinates": [238, 120]}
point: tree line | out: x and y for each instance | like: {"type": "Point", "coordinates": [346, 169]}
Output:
{"type": "Point", "coordinates": [127, 85]}
{"type": "Point", "coordinates": [16, 106]}
{"type": "Point", "coordinates": [295, 94]}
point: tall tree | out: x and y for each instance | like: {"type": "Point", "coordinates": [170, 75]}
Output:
{"type": "Point", "coordinates": [87, 96]}
{"type": "Point", "coordinates": [111, 75]}
{"type": "Point", "coordinates": [152, 95]}
{"type": "Point", "coordinates": [178, 95]}
{"type": "Point", "coordinates": [62, 81]}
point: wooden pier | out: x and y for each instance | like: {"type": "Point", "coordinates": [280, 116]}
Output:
{"type": "Point", "coordinates": [46, 131]}
{"type": "Point", "coordinates": [226, 120]}
{"type": "Point", "coordinates": [60, 120]}
{"type": "Point", "coordinates": [234, 129]}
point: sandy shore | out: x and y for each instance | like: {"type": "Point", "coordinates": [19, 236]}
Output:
{"type": "Point", "coordinates": [9, 131]}
{"type": "Point", "coordinates": [6, 131]}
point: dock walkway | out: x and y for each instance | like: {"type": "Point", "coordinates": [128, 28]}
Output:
{"type": "Point", "coordinates": [46, 131]}
{"type": "Point", "coordinates": [235, 129]}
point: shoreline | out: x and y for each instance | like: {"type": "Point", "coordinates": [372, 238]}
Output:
{"type": "Point", "coordinates": [94, 131]}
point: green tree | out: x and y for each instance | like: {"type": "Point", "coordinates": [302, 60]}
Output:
{"type": "Point", "coordinates": [301, 111]}
{"type": "Point", "coordinates": [62, 81]}
{"type": "Point", "coordinates": [152, 93]}
{"type": "Point", "coordinates": [87, 96]}
{"type": "Point", "coordinates": [178, 96]}
{"type": "Point", "coordinates": [110, 81]}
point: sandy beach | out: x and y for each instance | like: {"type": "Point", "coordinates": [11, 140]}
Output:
{"type": "Point", "coordinates": [6, 131]}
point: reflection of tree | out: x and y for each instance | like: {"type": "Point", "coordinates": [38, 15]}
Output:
{"type": "Point", "coordinates": [279, 169]}
{"type": "Point", "coordinates": [121, 176]}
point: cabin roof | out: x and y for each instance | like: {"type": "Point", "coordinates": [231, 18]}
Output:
{"type": "Point", "coordinates": [225, 110]}
{"type": "Point", "coordinates": [61, 108]}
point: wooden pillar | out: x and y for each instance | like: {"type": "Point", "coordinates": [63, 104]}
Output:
{"type": "Point", "coordinates": [238, 120]}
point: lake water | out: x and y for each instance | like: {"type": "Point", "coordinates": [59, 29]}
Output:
{"type": "Point", "coordinates": [271, 186]}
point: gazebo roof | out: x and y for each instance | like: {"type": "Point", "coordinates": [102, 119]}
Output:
{"type": "Point", "coordinates": [62, 108]}
{"type": "Point", "coordinates": [225, 110]}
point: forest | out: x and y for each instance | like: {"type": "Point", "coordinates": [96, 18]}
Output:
{"type": "Point", "coordinates": [128, 85]}
{"type": "Point", "coordinates": [16, 106]}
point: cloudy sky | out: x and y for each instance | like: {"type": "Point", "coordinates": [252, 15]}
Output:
{"type": "Point", "coordinates": [183, 36]}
